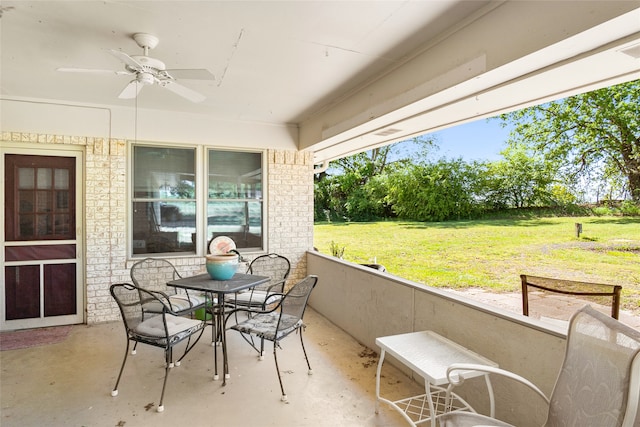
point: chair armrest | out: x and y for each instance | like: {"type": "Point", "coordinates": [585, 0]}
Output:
{"type": "Point", "coordinates": [456, 379]}
{"type": "Point", "coordinates": [279, 286]}
{"type": "Point", "coordinates": [158, 296]}
{"type": "Point", "coordinates": [255, 310]}
{"type": "Point", "coordinates": [162, 298]}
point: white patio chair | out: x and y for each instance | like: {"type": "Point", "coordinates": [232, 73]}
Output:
{"type": "Point", "coordinates": [598, 384]}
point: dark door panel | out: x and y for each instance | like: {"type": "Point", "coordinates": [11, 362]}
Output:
{"type": "Point", "coordinates": [40, 208]}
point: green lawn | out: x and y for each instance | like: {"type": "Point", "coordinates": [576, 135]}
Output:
{"type": "Point", "coordinates": [493, 253]}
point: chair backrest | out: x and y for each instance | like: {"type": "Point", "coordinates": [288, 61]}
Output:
{"type": "Point", "coordinates": [577, 294]}
{"type": "Point", "coordinates": [294, 302]}
{"type": "Point", "coordinates": [274, 266]}
{"type": "Point", "coordinates": [153, 274]}
{"type": "Point", "coordinates": [601, 370]}
{"type": "Point", "coordinates": [129, 300]}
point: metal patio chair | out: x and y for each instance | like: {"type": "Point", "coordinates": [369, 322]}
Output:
{"type": "Point", "coordinates": [153, 274]}
{"type": "Point", "coordinates": [598, 384]}
{"type": "Point", "coordinates": [165, 329]}
{"type": "Point", "coordinates": [275, 323]}
{"type": "Point", "coordinates": [274, 266]}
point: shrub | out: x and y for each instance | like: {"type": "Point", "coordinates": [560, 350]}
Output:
{"type": "Point", "coordinates": [630, 208]}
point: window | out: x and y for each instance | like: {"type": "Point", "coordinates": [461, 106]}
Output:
{"type": "Point", "coordinates": [168, 186]}
{"type": "Point", "coordinates": [234, 200]}
{"type": "Point", "coordinates": [164, 199]}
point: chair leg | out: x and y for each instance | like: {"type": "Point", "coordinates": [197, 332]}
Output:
{"type": "Point", "coordinates": [310, 371]}
{"type": "Point", "coordinates": [114, 392]}
{"type": "Point", "coordinates": [275, 357]}
{"type": "Point", "coordinates": [168, 356]}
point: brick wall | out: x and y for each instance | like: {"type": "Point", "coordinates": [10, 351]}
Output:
{"type": "Point", "coordinates": [289, 204]}
{"type": "Point", "coordinates": [290, 208]}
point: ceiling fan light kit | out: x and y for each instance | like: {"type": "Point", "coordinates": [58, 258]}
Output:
{"type": "Point", "coordinates": [148, 71]}
{"type": "Point", "coordinates": [145, 78]}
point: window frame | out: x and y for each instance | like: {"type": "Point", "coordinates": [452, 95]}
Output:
{"type": "Point", "coordinates": [262, 199]}
{"type": "Point", "coordinates": [201, 198]}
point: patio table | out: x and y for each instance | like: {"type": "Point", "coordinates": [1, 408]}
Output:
{"type": "Point", "coordinates": [219, 288]}
{"type": "Point", "coordinates": [429, 355]}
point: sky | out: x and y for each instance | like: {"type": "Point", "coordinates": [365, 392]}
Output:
{"type": "Point", "coordinates": [479, 140]}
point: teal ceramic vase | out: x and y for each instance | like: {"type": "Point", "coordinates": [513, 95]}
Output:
{"type": "Point", "coordinates": [222, 266]}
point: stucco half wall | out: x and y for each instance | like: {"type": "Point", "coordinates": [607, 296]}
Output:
{"type": "Point", "coordinates": [367, 304]}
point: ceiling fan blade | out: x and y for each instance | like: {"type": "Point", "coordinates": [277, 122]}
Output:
{"type": "Point", "coordinates": [184, 92]}
{"type": "Point", "coordinates": [126, 59]}
{"type": "Point", "coordinates": [131, 90]}
{"type": "Point", "coordinates": [92, 71]}
{"type": "Point", "coordinates": [191, 74]}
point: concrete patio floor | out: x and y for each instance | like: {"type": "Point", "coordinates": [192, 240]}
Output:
{"type": "Point", "coordinates": [70, 383]}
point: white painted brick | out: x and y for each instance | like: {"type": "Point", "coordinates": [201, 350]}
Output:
{"type": "Point", "coordinates": [290, 214]}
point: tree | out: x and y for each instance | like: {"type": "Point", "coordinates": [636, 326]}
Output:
{"type": "Point", "coordinates": [586, 132]}
{"type": "Point", "coordinates": [520, 180]}
{"type": "Point", "coordinates": [354, 187]}
{"type": "Point", "coordinates": [377, 160]}
{"type": "Point", "coordinates": [437, 191]}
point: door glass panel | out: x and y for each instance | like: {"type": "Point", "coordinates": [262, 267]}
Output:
{"type": "Point", "coordinates": [26, 178]}
{"type": "Point", "coordinates": [44, 179]}
{"type": "Point", "coordinates": [26, 226]}
{"type": "Point", "coordinates": [22, 292]}
{"type": "Point", "coordinates": [61, 179]}
{"type": "Point", "coordinates": [43, 201]}
{"type": "Point", "coordinates": [26, 201]}
{"type": "Point", "coordinates": [62, 200]}
{"type": "Point", "coordinates": [59, 289]}
{"type": "Point", "coordinates": [61, 224]}
{"type": "Point", "coordinates": [43, 227]}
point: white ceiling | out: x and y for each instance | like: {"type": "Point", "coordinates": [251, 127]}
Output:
{"type": "Point", "coordinates": [272, 61]}
{"type": "Point", "coordinates": [301, 63]}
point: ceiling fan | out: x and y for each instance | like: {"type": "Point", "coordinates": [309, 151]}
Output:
{"type": "Point", "coordinates": [148, 71]}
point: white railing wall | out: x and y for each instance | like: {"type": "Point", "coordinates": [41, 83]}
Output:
{"type": "Point", "coordinates": [368, 304]}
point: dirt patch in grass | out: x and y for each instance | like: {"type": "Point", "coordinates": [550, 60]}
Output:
{"type": "Point", "coordinates": [620, 246]}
